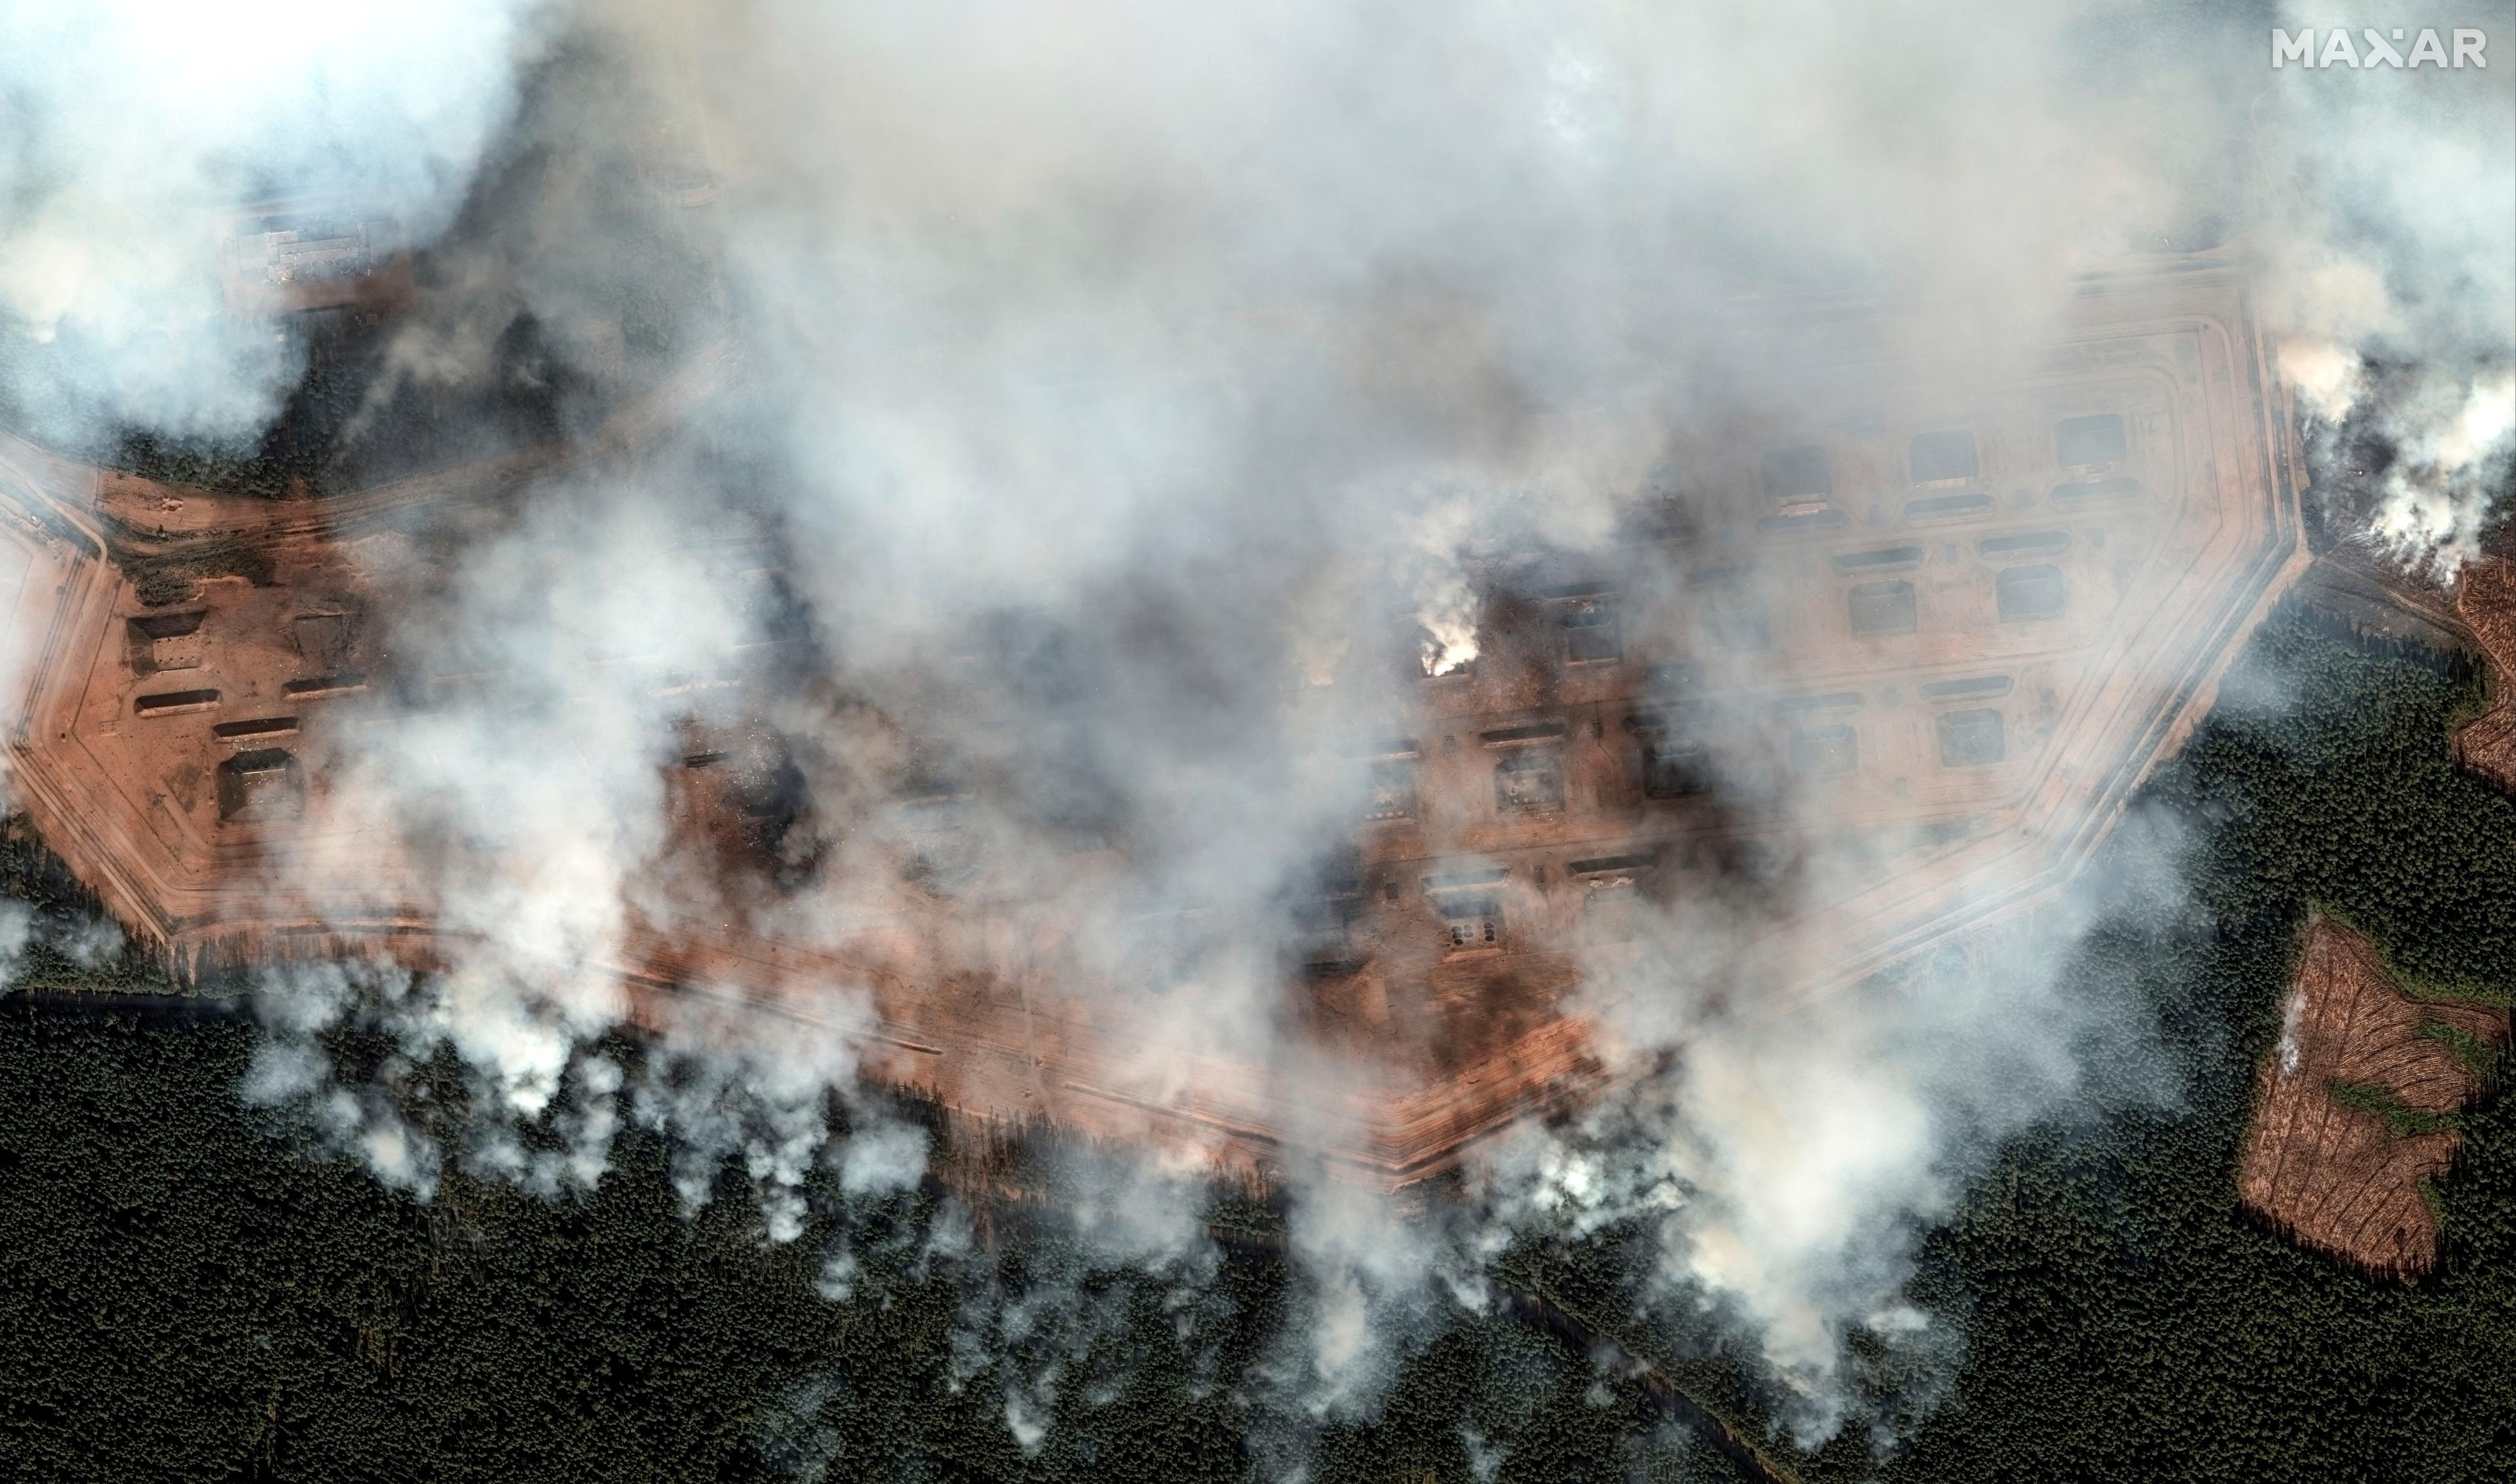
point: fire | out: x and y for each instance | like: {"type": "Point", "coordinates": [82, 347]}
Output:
{"type": "Point", "coordinates": [1449, 647]}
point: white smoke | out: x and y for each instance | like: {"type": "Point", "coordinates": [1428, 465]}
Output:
{"type": "Point", "coordinates": [1126, 337]}
{"type": "Point", "coordinates": [2437, 496]}
{"type": "Point", "coordinates": [1789, 1162]}
{"type": "Point", "coordinates": [2391, 223]}
{"type": "Point", "coordinates": [1448, 604]}
{"type": "Point", "coordinates": [73, 939]}
{"type": "Point", "coordinates": [140, 131]}
{"type": "Point", "coordinates": [16, 929]}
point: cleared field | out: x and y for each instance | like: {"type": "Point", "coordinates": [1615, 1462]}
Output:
{"type": "Point", "coordinates": [2354, 1109]}
{"type": "Point", "coordinates": [2485, 601]}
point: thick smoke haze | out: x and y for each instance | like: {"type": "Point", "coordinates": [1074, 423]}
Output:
{"type": "Point", "coordinates": [1155, 371]}
{"type": "Point", "coordinates": [134, 132]}
{"type": "Point", "coordinates": [2390, 200]}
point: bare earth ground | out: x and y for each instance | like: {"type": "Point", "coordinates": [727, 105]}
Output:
{"type": "Point", "coordinates": [2485, 601]}
{"type": "Point", "coordinates": [211, 684]}
{"type": "Point", "coordinates": [2334, 1177]}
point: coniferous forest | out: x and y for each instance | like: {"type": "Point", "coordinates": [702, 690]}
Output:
{"type": "Point", "coordinates": [190, 1288]}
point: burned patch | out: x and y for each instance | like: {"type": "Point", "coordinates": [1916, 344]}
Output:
{"type": "Point", "coordinates": [1944, 456]}
{"type": "Point", "coordinates": [261, 785]}
{"type": "Point", "coordinates": [1797, 472]}
{"type": "Point", "coordinates": [160, 642]}
{"type": "Point", "coordinates": [746, 795]}
{"type": "Point", "coordinates": [2094, 441]}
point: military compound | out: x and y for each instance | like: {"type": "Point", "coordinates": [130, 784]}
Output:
{"type": "Point", "coordinates": [1958, 614]}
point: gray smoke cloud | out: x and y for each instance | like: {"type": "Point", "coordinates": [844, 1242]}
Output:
{"type": "Point", "coordinates": [133, 136]}
{"type": "Point", "coordinates": [2391, 192]}
{"type": "Point", "coordinates": [1153, 372]}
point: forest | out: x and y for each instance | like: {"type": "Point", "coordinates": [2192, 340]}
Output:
{"type": "Point", "coordinates": [189, 1289]}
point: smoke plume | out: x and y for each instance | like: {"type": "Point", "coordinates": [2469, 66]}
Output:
{"type": "Point", "coordinates": [1154, 371]}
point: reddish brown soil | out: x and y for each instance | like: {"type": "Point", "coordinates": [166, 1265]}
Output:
{"type": "Point", "coordinates": [2334, 1177]}
{"type": "Point", "coordinates": [2485, 601]}
{"type": "Point", "coordinates": [205, 683]}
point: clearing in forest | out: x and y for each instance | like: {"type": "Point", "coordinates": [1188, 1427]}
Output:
{"type": "Point", "coordinates": [2485, 601]}
{"type": "Point", "coordinates": [2355, 1108]}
